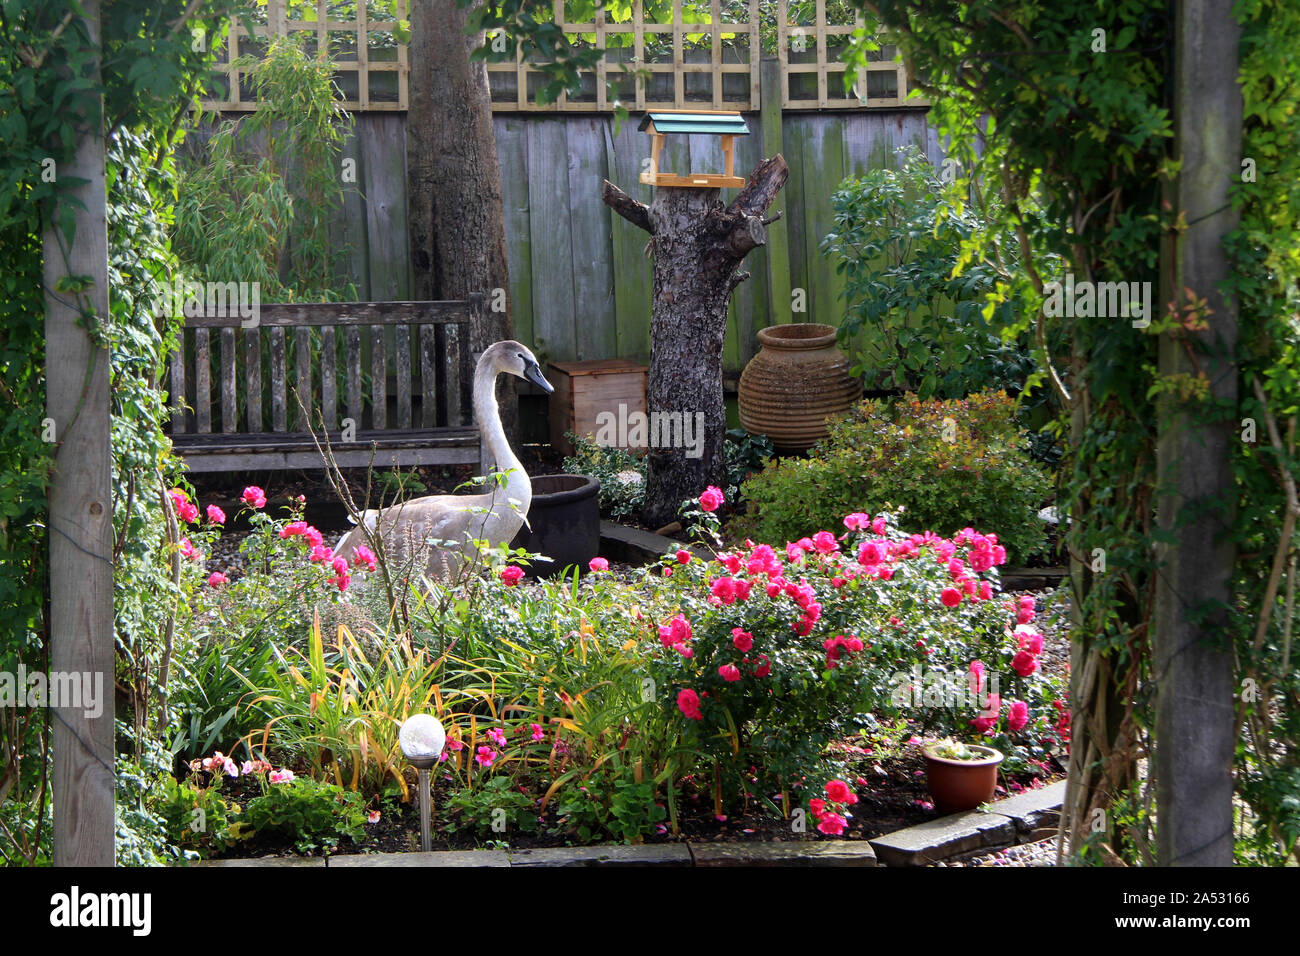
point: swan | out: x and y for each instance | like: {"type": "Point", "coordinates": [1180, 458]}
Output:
{"type": "Point", "coordinates": [495, 515]}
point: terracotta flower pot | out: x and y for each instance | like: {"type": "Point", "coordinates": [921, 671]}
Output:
{"type": "Point", "coordinates": [794, 383]}
{"type": "Point", "coordinates": [958, 785]}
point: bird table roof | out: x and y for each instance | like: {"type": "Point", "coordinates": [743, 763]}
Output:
{"type": "Point", "coordinates": [719, 123]}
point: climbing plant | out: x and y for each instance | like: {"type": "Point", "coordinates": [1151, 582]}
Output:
{"type": "Point", "coordinates": [153, 57]}
{"type": "Point", "coordinates": [1068, 106]}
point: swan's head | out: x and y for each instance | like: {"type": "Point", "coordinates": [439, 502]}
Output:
{"type": "Point", "coordinates": [512, 357]}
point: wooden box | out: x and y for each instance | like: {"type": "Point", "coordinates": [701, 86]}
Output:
{"type": "Point", "coordinates": [586, 391]}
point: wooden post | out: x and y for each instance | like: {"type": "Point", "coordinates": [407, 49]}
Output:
{"type": "Point", "coordinates": [80, 510]}
{"type": "Point", "coordinates": [1194, 734]}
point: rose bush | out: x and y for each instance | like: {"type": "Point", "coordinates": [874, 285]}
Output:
{"type": "Point", "coordinates": [768, 655]}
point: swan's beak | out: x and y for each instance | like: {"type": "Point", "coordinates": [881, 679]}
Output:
{"type": "Point", "coordinates": [534, 374]}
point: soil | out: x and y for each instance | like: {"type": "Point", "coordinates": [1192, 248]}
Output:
{"type": "Point", "coordinates": [895, 797]}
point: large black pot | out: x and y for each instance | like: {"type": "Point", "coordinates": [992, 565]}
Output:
{"type": "Point", "coordinates": [565, 520]}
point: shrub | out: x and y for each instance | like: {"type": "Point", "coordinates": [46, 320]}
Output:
{"type": "Point", "coordinates": [313, 815]}
{"type": "Point", "coordinates": [768, 656]}
{"type": "Point", "coordinates": [946, 463]}
{"type": "Point", "coordinates": [920, 311]}
{"type": "Point", "coordinates": [621, 474]}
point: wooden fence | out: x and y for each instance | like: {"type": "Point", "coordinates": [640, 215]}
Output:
{"type": "Point", "coordinates": [579, 276]}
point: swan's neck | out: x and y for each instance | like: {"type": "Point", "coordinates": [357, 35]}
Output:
{"type": "Point", "coordinates": [494, 436]}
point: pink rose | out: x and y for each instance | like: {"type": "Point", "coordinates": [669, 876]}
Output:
{"type": "Point", "coordinates": [837, 791]}
{"type": "Point", "coordinates": [729, 672]}
{"type": "Point", "coordinates": [188, 551]}
{"type": "Point", "coordinates": [712, 498]}
{"type": "Point", "coordinates": [1029, 640]}
{"type": "Point", "coordinates": [683, 556]}
{"type": "Point", "coordinates": [857, 521]}
{"type": "Point", "coordinates": [511, 575]}
{"type": "Point", "coordinates": [216, 515]}
{"type": "Point", "coordinates": [879, 525]}
{"type": "Point", "coordinates": [216, 579]}
{"type": "Point", "coordinates": [870, 554]}
{"type": "Point", "coordinates": [724, 589]}
{"type": "Point", "coordinates": [832, 824]}
{"type": "Point", "coordinates": [293, 528]}
{"type": "Point", "coordinates": [825, 542]}
{"type": "Point", "coordinates": [1017, 715]}
{"type": "Point", "coordinates": [1024, 663]}
{"type": "Point", "coordinates": [314, 537]}
{"type": "Point", "coordinates": [598, 564]}
{"type": "Point", "coordinates": [254, 496]}
{"type": "Point", "coordinates": [743, 640]}
{"type": "Point", "coordinates": [322, 554]}
{"type": "Point", "coordinates": [363, 555]}
{"type": "Point", "coordinates": [950, 597]}
{"type": "Point", "coordinates": [688, 702]}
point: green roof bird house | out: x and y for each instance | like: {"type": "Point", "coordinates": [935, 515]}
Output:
{"type": "Point", "coordinates": [728, 125]}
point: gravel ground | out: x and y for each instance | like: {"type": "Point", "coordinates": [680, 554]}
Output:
{"type": "Point", "coordinates": [1042, 853]}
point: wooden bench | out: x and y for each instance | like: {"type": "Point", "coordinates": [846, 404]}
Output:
{"type": "Point", "coordinates": [256, 423]}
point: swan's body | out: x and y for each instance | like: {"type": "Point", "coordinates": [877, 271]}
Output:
{"type": "Point", "coordinates": [454, 522]}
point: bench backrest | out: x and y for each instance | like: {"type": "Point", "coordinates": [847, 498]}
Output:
{"type": "Point", "coordinates": [324, 366]}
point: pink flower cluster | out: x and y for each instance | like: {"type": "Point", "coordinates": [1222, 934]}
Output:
{"type": "Point", "coordinates": [677, 635]}
{"type": "Point", "coordinates": [219, 764]}
{"type": "Point", "coordinates": [832, 813]}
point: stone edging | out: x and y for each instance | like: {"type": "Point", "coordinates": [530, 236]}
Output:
{"type": "Point", "coordinates": [1008, 822]}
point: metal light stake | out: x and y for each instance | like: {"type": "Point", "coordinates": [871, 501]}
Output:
{"type": "Point", "coordinates": [422, 738]}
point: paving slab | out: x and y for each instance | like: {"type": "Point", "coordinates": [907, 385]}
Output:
{"type": "Point", "coordinates": [943, 838]}
{"type": "Point", "coordinates": [798, 853]}
{"type": "Point", "coordinates": [435, 858]}
{"type": "Point", "coordinates": [633, 545]}
{"type": "Point", "coordinates": [1032, 810]}
{"type": "Point", "coordinates": [662, 854]}
{"type": "Point", "coordinates": [307, 861]}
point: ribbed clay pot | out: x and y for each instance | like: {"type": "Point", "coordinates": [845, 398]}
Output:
{"type": "Point", "coordinates": [796, 380]}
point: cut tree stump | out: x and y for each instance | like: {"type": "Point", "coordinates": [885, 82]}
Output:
{"type": "Point", "coordinates": [697, 245]}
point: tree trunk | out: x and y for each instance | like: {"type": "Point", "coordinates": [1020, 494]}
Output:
{"type": "Point", "coordinates": [457, 219]}
{"type": "Point", "coordinates": [697, 245]}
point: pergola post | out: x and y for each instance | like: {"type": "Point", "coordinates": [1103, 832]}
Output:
{"type": "Point", "coordinates": [1193, 665]}
{"type": "Point", "coordinates": [80, 510]}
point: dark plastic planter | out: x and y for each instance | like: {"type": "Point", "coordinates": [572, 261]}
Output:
{"type": "Point", "coordinates": [565, 520]}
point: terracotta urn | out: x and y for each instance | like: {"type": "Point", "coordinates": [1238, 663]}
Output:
{"type": "Point", "coordinates": [959, 785]}
{"type": "Point", "coordinates": [796, 381]}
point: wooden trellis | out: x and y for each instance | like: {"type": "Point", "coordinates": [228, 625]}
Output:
{"type": "Point", "coordinates": [677, 65]}
{"type": "Point", "coordinates": [812, 76]}
{"type": "Point", "coordinates": [371, 77]}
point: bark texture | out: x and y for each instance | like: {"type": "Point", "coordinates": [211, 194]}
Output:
{"type": "Point", "coordinates": [455, 210]}
{"type": "Point", "coordinates": [697, 246]}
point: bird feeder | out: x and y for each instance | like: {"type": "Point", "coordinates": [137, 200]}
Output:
{"type": "Point", "coordinates": [725, 124]}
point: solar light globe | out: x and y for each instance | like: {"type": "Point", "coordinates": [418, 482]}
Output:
{"type": "Point", "coordinates": [422, 738]}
